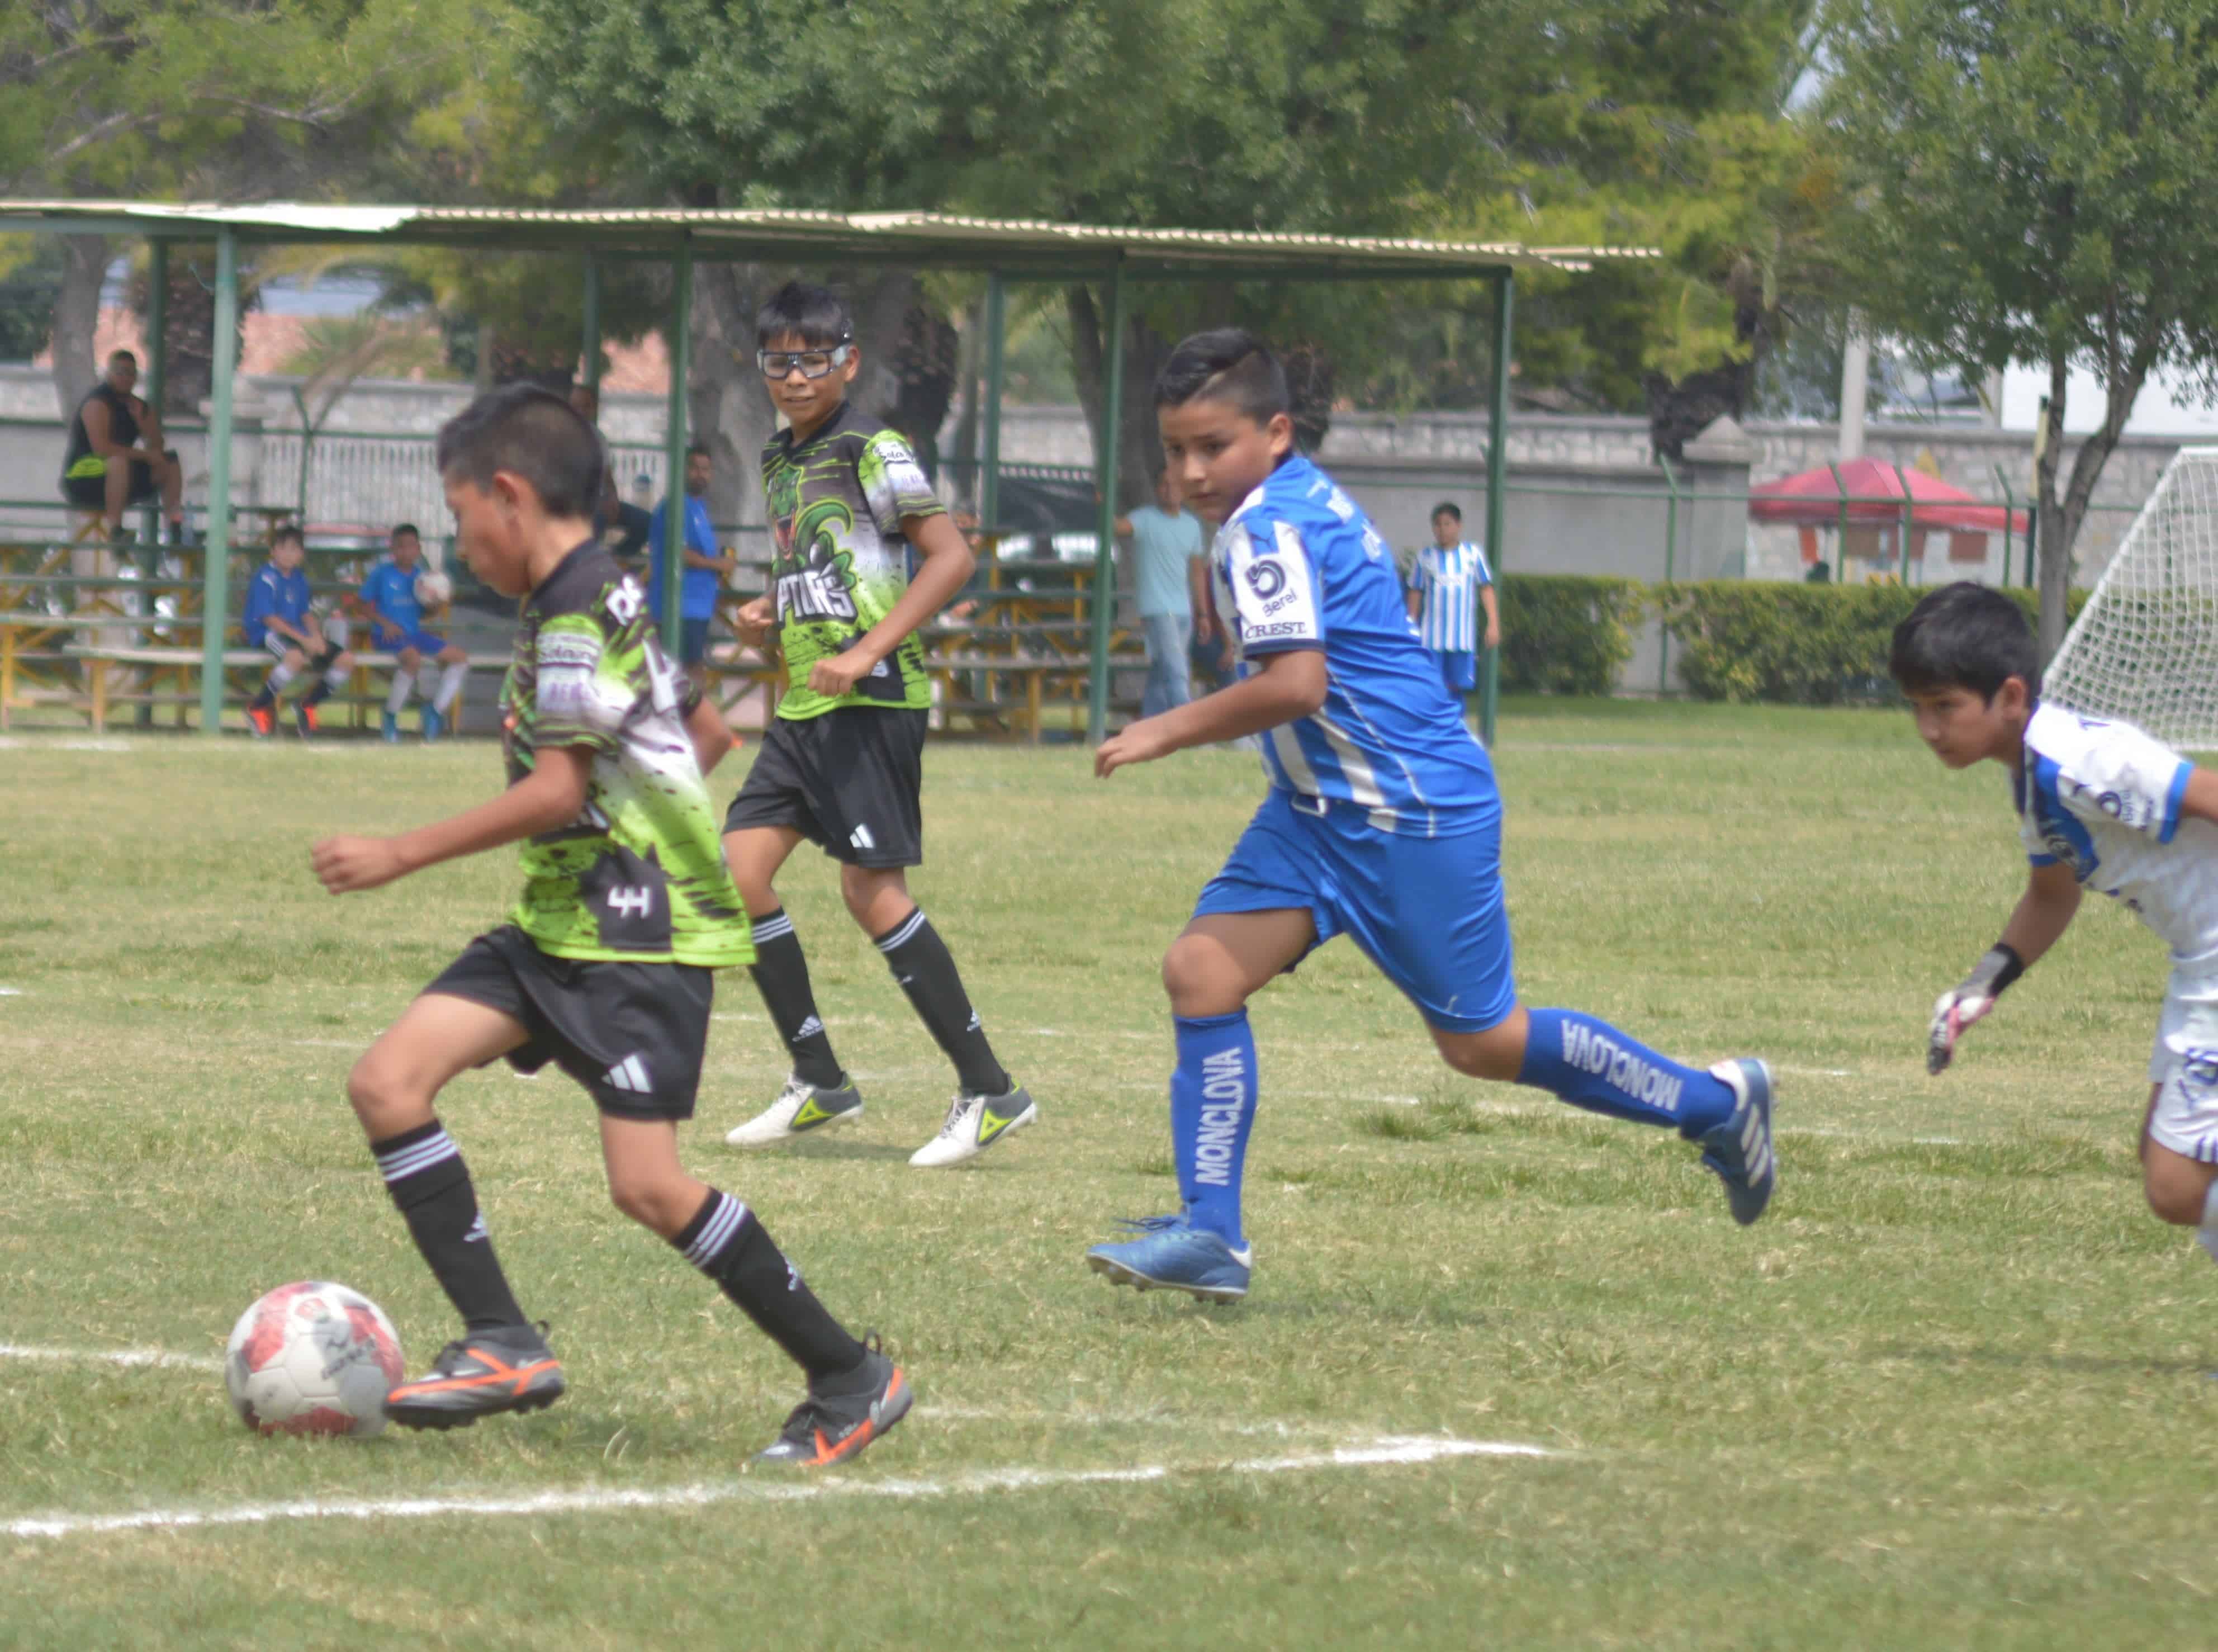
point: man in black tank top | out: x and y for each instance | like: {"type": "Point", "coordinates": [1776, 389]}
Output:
{"type": "Point", "coordinates": [115, 457]}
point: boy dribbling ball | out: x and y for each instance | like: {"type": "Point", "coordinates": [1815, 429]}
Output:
{"type": "Point", "coordinates": [2101, 805]}
{"type": "Point", "coordinates": [1381, 823]}
{"type": "Point", "coordinates": [606, 965]}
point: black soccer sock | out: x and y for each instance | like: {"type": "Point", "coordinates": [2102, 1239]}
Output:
{"type": "Point", "coordinates": [319, 694]}
{"type": "Point", "coordinates": [424, 1173]}
{"type": "Point", "coordinates": [264, 698]}
{"type": "Point", "coordinates": [780, 975]}
{"type": "Point", "coordinates": [925, 969]}
{"type": "Point", "coordinates": [726, 1242]}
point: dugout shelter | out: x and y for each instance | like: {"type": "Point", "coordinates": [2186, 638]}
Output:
{"type": "Point", "coordinates": [1003, 251]}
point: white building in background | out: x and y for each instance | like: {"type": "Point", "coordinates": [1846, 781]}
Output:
{"type": "Point", "coordinates": [2169, 404]}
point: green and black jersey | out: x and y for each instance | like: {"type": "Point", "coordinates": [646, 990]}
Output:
{"type": "Point", "coordinates": [639, 877]}
{"type": "Point", "coordinates": [836, 503]}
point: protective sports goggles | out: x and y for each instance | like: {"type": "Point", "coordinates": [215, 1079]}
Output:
{"type": "Point", "coordinates": [813, 364]}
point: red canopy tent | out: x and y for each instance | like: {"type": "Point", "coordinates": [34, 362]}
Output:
{"type": "Point", "coordinates": [1874, 490]}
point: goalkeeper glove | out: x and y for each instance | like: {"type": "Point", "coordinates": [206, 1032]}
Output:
{"type": "Point", "coordinates": [1969, 1001]}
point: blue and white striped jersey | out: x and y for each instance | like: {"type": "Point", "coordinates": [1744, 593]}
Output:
{"type": "Point", "coordinates": [1298, 566]}
{"type": "Point", "coordinates": [2105, 799]}
{"type": "Point", "coordinates": [1449, 578]}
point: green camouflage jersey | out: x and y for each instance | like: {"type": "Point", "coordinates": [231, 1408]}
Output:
{"type": "Point", "coordinates": [639, 876]}
{"type": "Point", "coordinates": [841, 563]}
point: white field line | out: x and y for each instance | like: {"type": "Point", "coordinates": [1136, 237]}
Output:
{"type": "Point", "coordinates": [112, 1357]}
{"type": "Point", "coordinates": [1387, 1452]}
{"type": "Point", "coordinates": [10, 992]}
{"type": "Point", "coordinates": [14, 744]}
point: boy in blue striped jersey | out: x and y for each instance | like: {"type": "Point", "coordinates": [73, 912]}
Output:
{"type": "Point", "coordinates": [1383, 821]}
{"type": "Point", "coordinates": [1449, 581]}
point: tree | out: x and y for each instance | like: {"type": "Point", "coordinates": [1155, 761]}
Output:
{"type": "Point", "coordinates": [224, 99]}
{"type": "Point", "coordinates": [2026, 180]}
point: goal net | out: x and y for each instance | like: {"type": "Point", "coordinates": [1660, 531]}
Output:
{"type": "Point", "coordinates": [2144, 648]}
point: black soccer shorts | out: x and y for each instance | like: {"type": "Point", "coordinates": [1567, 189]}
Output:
{"type": "Point", "coordinates": [633, 1034]}
{"type": "Point", "coordinates": [851, 781]}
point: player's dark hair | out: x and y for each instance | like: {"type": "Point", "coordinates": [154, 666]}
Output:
{"type": "Point", "coordinates": [400, 528]}
{"type": "Point", "coordinates": [289, 531]}
{"type": "Point", "coordinates": [531, 433]}
{"type": "Point", "coordinates": [115, 356]}
{"type": "Point", "coordinates": [1964, 635]}
{"type": "Point", "coordinates": [697, 449]}
{"type": "Point", "coordinates": [812, 314]}
{"type": "Point", "coordinates": [1447, 507]}
{"type": "Point", "coordinates": [1229, 365]}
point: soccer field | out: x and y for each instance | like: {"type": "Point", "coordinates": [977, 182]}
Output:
{"type": "Point", "coordinates": [1947, 1392]}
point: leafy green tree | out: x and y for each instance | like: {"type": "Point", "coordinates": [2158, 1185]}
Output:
{"type": "Point", "coordinates": [2027, 179]}
{"type": "Point", "coordinates": [223, 99]}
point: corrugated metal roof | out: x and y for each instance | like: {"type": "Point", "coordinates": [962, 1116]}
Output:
{"type": "Point", "coordinates": [945, 240]}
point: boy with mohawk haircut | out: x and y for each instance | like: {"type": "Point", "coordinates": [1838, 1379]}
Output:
{"type": "Point", "coordinates": [1382, 822]}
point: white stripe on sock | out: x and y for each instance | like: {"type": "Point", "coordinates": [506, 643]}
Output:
{"type": "Point", "coordinates": [416, 1156]}
{"type": "Point", "coordinates": [899, 937]}
{"type": "Point", "coordinates": [717, 1233]}
{"type": "Point", "coordinates": [771, 928]}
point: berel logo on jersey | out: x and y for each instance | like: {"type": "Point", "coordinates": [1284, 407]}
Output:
{"type": "Point", "coordinates": [1267, 579]}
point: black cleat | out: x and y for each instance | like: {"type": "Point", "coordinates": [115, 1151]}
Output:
{"type": "Point", "coordinates": [508, 1368]}
{"type": "Point", "coordinates": [826, 1429]}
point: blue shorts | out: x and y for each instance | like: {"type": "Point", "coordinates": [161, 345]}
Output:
{"type": "Point", "coordinates": [389, 639]}
{"type": "Point", "coordinates": [1459, 670]}
{"type": "Point", "coordinates": [693, 639]}
{"type": "Point", "coordinates": [1429, 911]}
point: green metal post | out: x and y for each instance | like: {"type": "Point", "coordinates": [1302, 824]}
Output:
{"type": "Point", "coordinates": [997, 326]}
{"type": "Point", "coordinates": [591, 344]}
{"type": "Point", "coordinates": [2032, 541]}
{"type": "Point", "coordinates": [1670, 568]}
{"type": "Point", "coordinates": [158, 378]}
{"type": "Point", "coordinates": [1498, 474]}
{"type": "Point", "coordinates": [1104, 516]}
{"type": "Point", "coordinates": [215, 586]}
{"type": "Point", "coordinates": [674, 492]}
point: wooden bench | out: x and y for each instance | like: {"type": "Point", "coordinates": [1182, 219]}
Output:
{"type": "Point", "coordinates": [182, 667]}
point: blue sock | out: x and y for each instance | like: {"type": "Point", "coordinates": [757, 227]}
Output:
{"type": "Point", "coordinates": [1590, 1063]}
{"type": "Point", "coordinates": [1213, 1108]}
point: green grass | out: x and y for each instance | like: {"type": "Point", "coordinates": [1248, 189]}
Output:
{"type": "Point", "coordinates": [1948, 1393]}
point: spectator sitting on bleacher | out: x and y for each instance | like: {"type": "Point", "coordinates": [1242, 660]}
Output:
{"type": "Point", "coordinates": [396, 626]}
{"type": "Point", "coordinates": [115, 458]}
{"type": "Point", "coordinates": [277, 618]}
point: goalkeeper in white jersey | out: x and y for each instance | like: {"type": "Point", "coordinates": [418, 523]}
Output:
{"type": "Point", "coordinates": [2101, 806]}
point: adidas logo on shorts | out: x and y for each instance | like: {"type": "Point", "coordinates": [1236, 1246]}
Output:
{"type": "Point", "coordinates": [860, 838]}
{"type": "Point", "coordinates": [630, 1074]}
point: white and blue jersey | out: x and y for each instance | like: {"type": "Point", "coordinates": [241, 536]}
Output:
{"type": "Point", "coordinates": [390, 590]}
{"type": "Point", "coordinates": [1299, 567]}
{"type": "Point", "coordinates": [274, 593]}
{"type": "Point", "coordinates": [1382, 822]}
{"type": "Point", "coordinates": [2105, 799]}
{"type": "Point", "coordinates": [1448, 578]}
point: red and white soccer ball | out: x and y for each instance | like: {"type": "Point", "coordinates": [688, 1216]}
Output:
{"type": "Point", "coordinates": [312, 1358]}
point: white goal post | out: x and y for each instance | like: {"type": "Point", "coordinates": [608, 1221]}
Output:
{"type": "Point", "coordinates": [2144, 648]}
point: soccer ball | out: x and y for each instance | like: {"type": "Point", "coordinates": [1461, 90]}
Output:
{"type": "Point", "coordinates": [312, 1358]}
{"type": "Point", "coordinates": [433, 588]}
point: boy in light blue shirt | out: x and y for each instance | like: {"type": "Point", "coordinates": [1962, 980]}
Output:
{"type": "Point", "coordinates": [1168, 560]}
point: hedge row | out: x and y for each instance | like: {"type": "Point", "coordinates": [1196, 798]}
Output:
{"type": "Point", "coordinates": [1731, 639]}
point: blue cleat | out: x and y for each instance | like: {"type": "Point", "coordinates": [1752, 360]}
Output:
{"type": "Point", "coordinates": [434, 725]}
{"type": "Point", "coordinates": [389, 728]}
{"type": "Point", "coordinates": [1739, 1150]}
{"type": "Point", "coordinates": [1171, 1254]}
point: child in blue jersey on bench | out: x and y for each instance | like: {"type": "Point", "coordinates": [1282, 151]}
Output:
{"type": "Point", "coordinates": [279, 617]}
{"type": "Point", "coordinates": [1382, 822]}
{"type": "Point", "coordinates": [396, 613]}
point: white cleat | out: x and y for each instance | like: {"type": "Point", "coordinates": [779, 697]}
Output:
{"type": "Point", "coordinates": [974, 1124]}
{"type": "Point", "coordinates": [800, 1108]}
